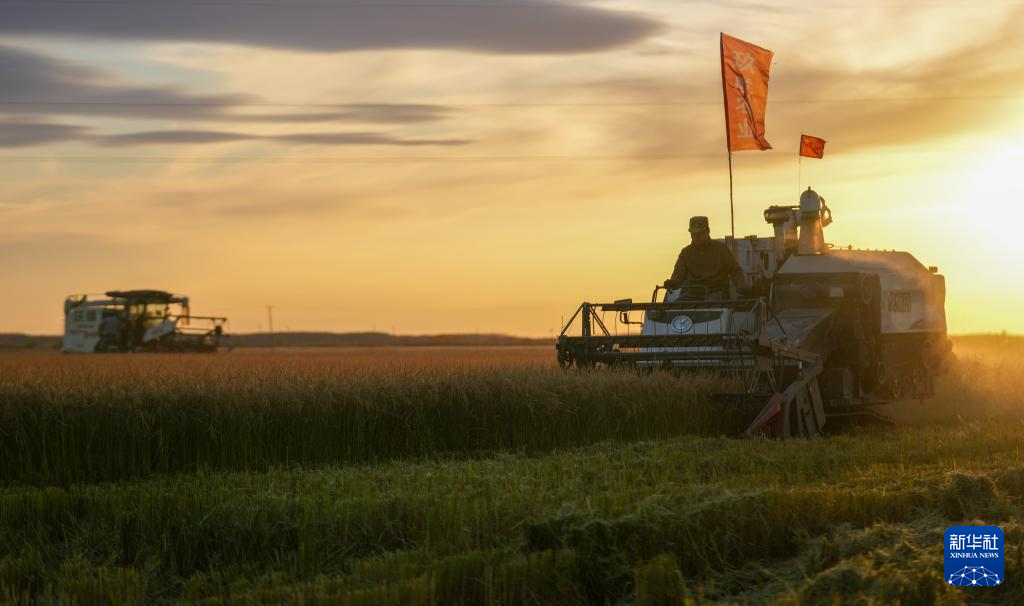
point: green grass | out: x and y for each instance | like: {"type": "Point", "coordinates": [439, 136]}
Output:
{"type": "Point", "coordinates": [317, 481]}
{"type": "Point", "coordinates": [728, 520]}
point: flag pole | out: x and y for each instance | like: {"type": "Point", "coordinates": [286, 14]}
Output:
{"type": "Point", "coordinates": [728, 135]}
{"type": "Point", "coordinates": [732, 214]}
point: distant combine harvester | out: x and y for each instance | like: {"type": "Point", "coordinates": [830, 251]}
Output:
{"type": "Point", "coordinates": [137, 320]}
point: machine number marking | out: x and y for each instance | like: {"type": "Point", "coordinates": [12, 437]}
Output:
{"type": "Point", "coordinates": [899, 301]}
{"type": "Point", "coordinates": [682, 323]}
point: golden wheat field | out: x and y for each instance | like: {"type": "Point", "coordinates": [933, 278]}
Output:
{"type": "Point", "coordinates": [481, 476]}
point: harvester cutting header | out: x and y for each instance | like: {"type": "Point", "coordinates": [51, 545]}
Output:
{"type": "Point", "coordinates": [813, 335]}
{"type": "Point", "coordinates": [137, 320]}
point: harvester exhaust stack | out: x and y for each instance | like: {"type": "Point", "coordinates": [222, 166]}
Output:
{"type": "Point", "coordinates": [812, 238]}
{"type": "Point", "coordinates": [829, 336]}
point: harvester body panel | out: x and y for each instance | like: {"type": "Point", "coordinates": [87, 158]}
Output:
{"type": "Point", "coordinates": [911, 298]}
{"type": "Point", "coordinates": [82, 330]}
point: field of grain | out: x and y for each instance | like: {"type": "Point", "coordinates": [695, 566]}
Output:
{"type": "Point", "coordinates": [481, 476]}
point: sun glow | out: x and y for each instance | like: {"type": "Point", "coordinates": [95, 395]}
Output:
{"type": "Point", "coordinates": [994, 195]}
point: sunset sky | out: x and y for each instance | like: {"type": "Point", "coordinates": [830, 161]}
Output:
{"type": "Point", "coordinates": [485, 165]}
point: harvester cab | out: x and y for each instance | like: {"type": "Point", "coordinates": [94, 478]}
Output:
{"type": "Point", "coordinates": [137, 320]}
{"type": "Point", "coordinates": [821, 336]}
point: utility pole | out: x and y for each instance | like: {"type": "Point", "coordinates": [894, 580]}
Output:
{"type": "Point", "coordinates": [270, 323]}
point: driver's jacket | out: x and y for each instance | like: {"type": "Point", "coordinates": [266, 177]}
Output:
{"type": "Point", "coordinates": [710, 264]}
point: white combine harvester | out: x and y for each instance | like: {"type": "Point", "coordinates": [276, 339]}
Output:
{"type": "Point", "coordinates": [827, 336]}
{"type": "Point", "coordinates": [137, 320]}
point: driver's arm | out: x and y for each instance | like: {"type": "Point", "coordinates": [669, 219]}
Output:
{"type": "Point", "coordinates": [678, 273]}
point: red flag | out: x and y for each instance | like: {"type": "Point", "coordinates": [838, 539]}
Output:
{"type": "Point", "coordinates": [812, 147]}
{"type": "Point", "coordinates": [745, 85]}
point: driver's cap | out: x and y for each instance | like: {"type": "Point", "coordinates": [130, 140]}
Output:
{"type": "Point", "coordinates": [698, 224]}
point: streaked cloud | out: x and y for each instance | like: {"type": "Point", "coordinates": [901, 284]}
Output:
{"type": "Point", "coordinates": [48, 85]}
{"type": "Point", "coordinates": [45, 85]}
{"type": "Point", "coordinates": [27, 133]}
{"type": "Point", "coordinates": [16, 132]}
{"type": "Point", "coordinates": [187, 137]}
{"type": "Point", "coordinates": [508, 27]}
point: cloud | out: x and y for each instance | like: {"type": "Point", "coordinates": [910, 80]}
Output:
{"type": "Point", "coordinates": [179, 137]}
{"type": "Point", "coordinates": [379, 113]}
{"type": "Point", "coordinates": [508, 27]}
{"type": "Point", "coordinates": [915, 102]}
{"type": "Point", "coordinates": [44, 85]}
{"type": "Point", "coordinates": [168, 137]}
{"type": "Point", "coordinates": [16, 132]}
{"type": "Point", "coordinates": [938, 97]}
{"type": "Point", "coordinates": [28, 133]}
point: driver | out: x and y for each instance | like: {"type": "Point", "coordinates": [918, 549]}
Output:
{"type": "Point", "coordinates": [705, 264]}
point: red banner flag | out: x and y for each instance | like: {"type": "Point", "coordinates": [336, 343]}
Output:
{"type": "Point", "coordinates": [745, 84]}
{"type": "Point", "coordinates": [812, 147]}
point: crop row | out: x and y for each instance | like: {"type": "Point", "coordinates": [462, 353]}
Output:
{"type": "Point", "coordinates": [64, 428]}
{"type": "Point", "coordinates": [608, 522]}
{"type": "Point", "coordinates": [66, 420]}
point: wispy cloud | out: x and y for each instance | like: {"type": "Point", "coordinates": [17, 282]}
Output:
{"type": "Point", "coordinates": [43, 85]}
{"type": "Point", "coordinates": [47, 85]}
{"type": "Point", "coordinates": [508, 27]}
{"type": "Point", "coordinates": [19, 133]}
{"type": "Point", "coordinates": [187, 137]}
{"type": "Point", "coordinates": [15, 132]}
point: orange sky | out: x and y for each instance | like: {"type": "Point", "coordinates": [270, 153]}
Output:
{"type": "Point", "coordinates": [432, 168]}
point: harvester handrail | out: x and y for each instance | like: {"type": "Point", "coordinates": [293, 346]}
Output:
{"type": "Point", "coordinates": [191, 317]}
{"type": "Point", "coordinates": [730, 303]}
{"type": "Point", "coordinates": [588, 310]}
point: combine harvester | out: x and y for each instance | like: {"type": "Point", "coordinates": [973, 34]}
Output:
{"type": "Point", "coordinates": [828, 336]}
{"type": "Point", "coordinates": [137, 320]}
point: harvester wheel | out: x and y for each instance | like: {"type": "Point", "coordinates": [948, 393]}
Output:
{"type": "Point", "coordinates": [564, 359]}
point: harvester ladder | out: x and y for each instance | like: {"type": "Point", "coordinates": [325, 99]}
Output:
{"type": "Point", "coordinates": [797, 410]}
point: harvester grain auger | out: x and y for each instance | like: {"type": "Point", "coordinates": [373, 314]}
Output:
{"type": "Point", "coordinates": [832, 335]}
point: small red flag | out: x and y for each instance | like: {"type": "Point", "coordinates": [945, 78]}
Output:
{"type": "Point", "coordinates": [745, 68]}
{"type": "Point", "coordinates": [812, 147]}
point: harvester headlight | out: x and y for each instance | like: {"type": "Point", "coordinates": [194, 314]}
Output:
{"type": "Point", "coordinates": [656, 315]}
